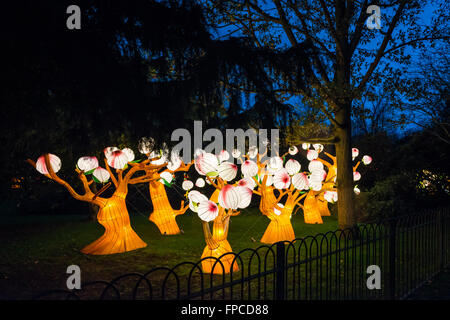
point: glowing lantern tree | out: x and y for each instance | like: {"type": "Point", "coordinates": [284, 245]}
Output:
{"type": "Point", "coordinates": [269, 176]}
{"type": "Point", "coordinates": [218, 208]}
{"type": "Point", "coordinates": [318, 198]}
{"type": "Point", "coordinates": [113, 214]}
{"type": "Point", "coordinates": [163, 215]}
{"type": "Point", "coordinates": [320, 181]}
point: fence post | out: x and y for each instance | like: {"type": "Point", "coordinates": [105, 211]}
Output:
{"type": "Point", "coordinates": [441, 239]}
{"type": "Point", "coordinates": [280, 273]}
{"type": "Point", "coordinates": [392, 238]}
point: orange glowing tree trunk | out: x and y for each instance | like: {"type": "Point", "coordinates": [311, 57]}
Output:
{"type": "Point", "coordinates": [163, 215]}
{"type": "Point", "coordinates": [322, 204]}
{"type": "Point", "coordinates": [216, 242]}
{"type": "Point", "coordinates": [280, 226]}
{"type": "Point", "coordinates": [119, 236]}
{"type": "Point", "coordinates": [311, 211]}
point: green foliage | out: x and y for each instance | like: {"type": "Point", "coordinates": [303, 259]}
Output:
{"type": "Point", "coordinates": [393, 196]}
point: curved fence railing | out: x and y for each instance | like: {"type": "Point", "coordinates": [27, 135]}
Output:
{"type": "Point", "coordinates": [408, 251]}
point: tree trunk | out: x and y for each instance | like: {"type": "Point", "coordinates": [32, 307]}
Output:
{"type": "Point", "coordinates": [280, 226]}
{"type": "Point", "coordinates": [163, 214]}
{"type": "Point", "coordinates": [119, 236]}
{"type": "Point", "coordinates": [346, 211]}
{"type": "Point", "coordinates": [311, 211]}
{"type": "Point", "coordinates": [216, 246]}
{"type": "Point", "coordinates": [93, 209]}
{"type": "Point", "coordinates": [322, 204]}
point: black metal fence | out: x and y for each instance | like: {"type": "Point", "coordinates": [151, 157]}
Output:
{"type": "Point", "coordinates": [408, 250]}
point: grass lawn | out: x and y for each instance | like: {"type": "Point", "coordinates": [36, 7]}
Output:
{"type": "Point", "coordinates": [36, 250]}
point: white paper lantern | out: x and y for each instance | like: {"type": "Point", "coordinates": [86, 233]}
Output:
{"type": "Point", "coordinates": [357, 191]}
{"type": "Point", "coordinates": [318, 147]}
{"type": "Point", "coordinates": [166, 176]}
{"type": "Point", "coordinates": [175, 161]}
{"type": "Point", "coordinates": [305, 146]}
{"type": "Point", "coordinates": [315, 185]}
{"type": "Point", "coordinates": [315, 165]}
{"type": "Point", "coordinates": [55, 163]}
{"type": "Point", "coordinates": [207, 210]}
{"type": "Point", "coordinates": [355, 153]}
{"type": "Point", "coordinates": [117, 160]}
{"type": "Point", "coordinates": [247, 182]}
{"type": "Point", "coordinates": [195, 198]}
{"type": "Point", "coordinates": [108, 151]}
{"type": "Point", "coordinates": [249, 168]}
{"type": "Point", "coordinates": [86, 164]}
{"type": "Point", "coordinates": [281, 179]}
{"type": "Point", "coordinates": [318, 175]}
{"type": "Point", "coordinates": [102, 175]}
{"type": "Point", "coordinates": [200, 183]}
{"type": "Point", "coordinates": [312, 155]}
{"type": "Point", "coordinates": [245, 195]}
{"type": "Point", "coordinates": [227, 171]}
{"type": "Point", "coordinates": [275, 163]}
{"type": "Point", "coordinates": [236, 153]}
{"type": "Point", "coordinates": [300, 181]}
{"type": "Point", "coordinates": [293, 150]}
{"type": "Point", "coordinates": [292, 166]}
{"type": "Point", "coordinates": [207, 164]}
{"type": "Point", "coordinates": [224, 155]}
{"type": "Point", "coordinates": [252, 152]}
{"type": "Point", "coordinates": [229, 197]}
{"type": "Point", "coordinates": [187, 185]}
{"type": "Point", "coordinates": [330, 196]}
{"type": "Point", "coordinates": [367, 160]}
{"type": "Point", "coordinates": [356, 176]}
{"type": "Point", "coordinates": [129, 153]}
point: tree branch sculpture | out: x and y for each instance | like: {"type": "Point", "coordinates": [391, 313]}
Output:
{"type": "Point", "coordinates": [224, 203]}
{"type": "Point", "coordinates": [119, 236]}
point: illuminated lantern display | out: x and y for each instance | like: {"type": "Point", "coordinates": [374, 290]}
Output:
{"type": "Point", "coordinates": [223, 204]}
{"type": "Point", "coordinates": [328, 184]}
{"type": "Point", "coordinates": [328, 192]}
{"type": "Point", "coordinates": [113, 214]}
{"type": "Point", "coordinates": [271, 176]}
{"type": "Point", "coordinates": [316, 188]}
{"type": "Point", "coordinates": [163, 215]}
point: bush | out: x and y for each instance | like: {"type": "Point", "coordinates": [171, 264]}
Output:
{"type": "Point", "coordinates": [393, 196]}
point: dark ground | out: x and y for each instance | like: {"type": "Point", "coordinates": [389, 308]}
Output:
{"type": "Point", "coordinates": [436, 289]}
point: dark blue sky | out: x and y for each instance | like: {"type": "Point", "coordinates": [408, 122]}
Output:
{"type": "Point", "coordinates": [425, 18]}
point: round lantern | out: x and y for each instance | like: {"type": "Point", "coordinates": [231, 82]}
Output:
{"type": "Point", "coordinates": [87, 163]}
{"type": "Point", "coordinates": [249, 168]}
{"type": "Point", "coordinates": [102, 175]}
{"type": "Point", "coordinates": [207, 210]}
{"type": "Point", "coordinates": [292, 166]}
{"type": "Point", "coordinates": [55, 163]}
